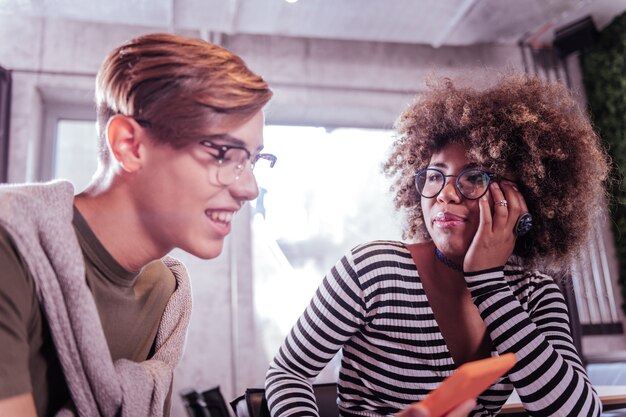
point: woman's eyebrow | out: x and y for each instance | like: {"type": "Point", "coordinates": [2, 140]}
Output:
{"type": "Point", "coordinates": [473, 165]}
{"type": "Point", "coordinates": [438, 165]}
{"type": "Point", "coordinates": [443, 165]}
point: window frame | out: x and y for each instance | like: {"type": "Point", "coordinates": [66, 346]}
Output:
{"type": "Point", "coordinates": [5, 118]}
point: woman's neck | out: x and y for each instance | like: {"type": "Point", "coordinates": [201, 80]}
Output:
{"type": "Point", "coordinates": [441, 257]}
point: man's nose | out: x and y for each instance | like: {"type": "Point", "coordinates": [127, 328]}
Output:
{"type": "Point", "coordinates": [246, 187]}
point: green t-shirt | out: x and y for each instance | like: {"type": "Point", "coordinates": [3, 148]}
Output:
{"type": "Point", "coordinates": [130, 308]}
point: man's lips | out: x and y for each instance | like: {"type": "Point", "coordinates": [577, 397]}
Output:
{"type": "Point", "coordinates": [221, 216]}
{"type": "Point", "coordinates": [220, 220]}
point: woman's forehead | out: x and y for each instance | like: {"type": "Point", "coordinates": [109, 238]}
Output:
{"type": "Point", "coordinates": [453, 153]}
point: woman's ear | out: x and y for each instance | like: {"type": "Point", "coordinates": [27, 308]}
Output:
{"type": "Point", "coordinates": [124, 141]}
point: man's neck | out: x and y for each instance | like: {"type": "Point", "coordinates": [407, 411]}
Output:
{"type": "Point", "coordinates": [117, 225]}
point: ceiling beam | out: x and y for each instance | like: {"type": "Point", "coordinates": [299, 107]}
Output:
{"type": "Point", "coordinates": [463, 11]}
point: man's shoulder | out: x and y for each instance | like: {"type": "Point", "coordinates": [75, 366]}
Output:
{"type": "Point", "coordinates": [158, 276]}
{"type": "Point", "coordinates": [44, 204]}
{"type": "Point", "coordinates": [55, 190]}
{"type": "Point", "coordinates": [11, 259]}
{"type": "Point", "coordinates": [20, 321]}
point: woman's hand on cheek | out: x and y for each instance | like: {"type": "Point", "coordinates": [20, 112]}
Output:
{"type": "Point", "coordinates": [494, 240]}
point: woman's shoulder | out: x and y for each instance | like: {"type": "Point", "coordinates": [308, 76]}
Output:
{"type": "Point", "coordinates": [376, 262]}
{"type": "Point", "coordinates": [371, 256]}
{"type": "Point", "coordinates": [380, 247]}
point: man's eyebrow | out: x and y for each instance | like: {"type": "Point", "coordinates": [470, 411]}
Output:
{"type": "Point", "coordinates": [230, 140]}
{"type": "Point", "coordinates": [225, 138]}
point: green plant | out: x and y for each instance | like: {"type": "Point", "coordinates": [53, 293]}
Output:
{"type": "Point", "coordinates": [604, 75]}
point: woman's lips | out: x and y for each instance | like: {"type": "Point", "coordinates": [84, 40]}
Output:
{"type": "Point", "coordinates": [446, 220]}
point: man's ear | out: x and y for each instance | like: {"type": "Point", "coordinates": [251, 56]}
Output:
{"type": "Point", "coordinates": [124, 141]}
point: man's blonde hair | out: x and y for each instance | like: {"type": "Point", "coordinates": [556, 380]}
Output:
{"type": "Point", "coordinates": [180, 87]}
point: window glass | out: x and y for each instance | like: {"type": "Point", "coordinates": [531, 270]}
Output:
{"type": "Point", "coordinates": [75, 156]}
{"type": "Point", "coordinates": [325, 195]}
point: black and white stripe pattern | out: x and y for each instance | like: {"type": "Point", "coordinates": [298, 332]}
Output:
{"type": "Point", "coordinates": [372, 304]}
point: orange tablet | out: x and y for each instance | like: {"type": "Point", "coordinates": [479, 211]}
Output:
{"type": "Point", "coordinates": [468, 381]}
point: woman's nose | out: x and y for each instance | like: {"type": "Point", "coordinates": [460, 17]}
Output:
{"type": "Point", "coordinates": [449, 193]}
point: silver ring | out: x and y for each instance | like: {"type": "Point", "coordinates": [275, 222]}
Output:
{"type": "Point", "coordinates": [502, 203]}
{"type": "Point", "coordinates": [523, 225]}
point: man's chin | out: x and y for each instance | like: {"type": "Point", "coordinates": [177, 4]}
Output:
{"type": "Point", "coordinates": [210, 251]}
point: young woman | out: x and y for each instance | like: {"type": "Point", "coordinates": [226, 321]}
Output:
{"type": "Point", "coordinates": [497, 185]}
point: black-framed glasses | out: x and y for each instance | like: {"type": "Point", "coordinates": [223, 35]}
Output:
{"type": "Point", "coordinates": [232, 160]}
{"type": "Point", "coordinates": [471, 183]}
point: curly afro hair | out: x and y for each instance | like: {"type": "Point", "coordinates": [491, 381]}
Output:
{"type": "Point", "coordinates": [522, 125]}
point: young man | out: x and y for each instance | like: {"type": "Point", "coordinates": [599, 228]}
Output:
{"type": "Point", "coordinates": [93, 315]}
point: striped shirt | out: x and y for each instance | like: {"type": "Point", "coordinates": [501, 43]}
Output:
{"type": "Point", "coordinates": [372, 305]}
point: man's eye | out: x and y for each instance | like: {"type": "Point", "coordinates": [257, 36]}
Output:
{"type": "Point", "coordinates": [213, 152]}
{"type": "Point", "coordinates": [236, 155]}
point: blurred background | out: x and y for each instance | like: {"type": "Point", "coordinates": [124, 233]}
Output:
{"type": "Point", "coordinates": [341, 71]}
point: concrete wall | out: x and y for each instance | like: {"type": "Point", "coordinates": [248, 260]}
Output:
{"type": "Point", "coordinates": [316, 82]}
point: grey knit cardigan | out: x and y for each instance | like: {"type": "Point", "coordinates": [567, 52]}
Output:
{"type": "Point", "coordinates": [39, 218]}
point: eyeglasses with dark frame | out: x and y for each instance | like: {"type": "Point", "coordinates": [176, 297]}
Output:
{"type": "Point", "coordinates": [471, 183]}
{"type": "Point", "coordinates": [231, 159]}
